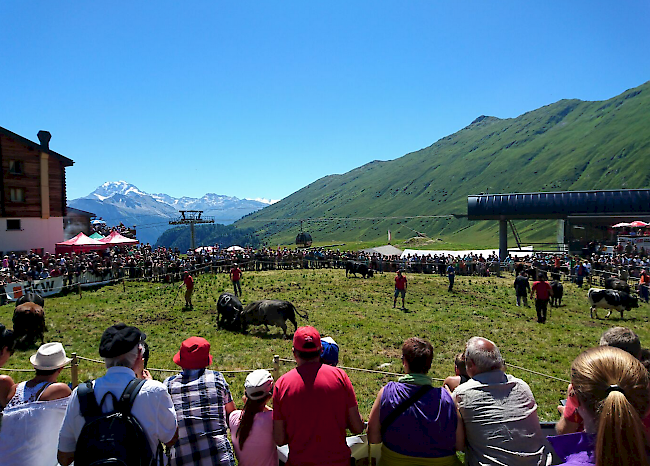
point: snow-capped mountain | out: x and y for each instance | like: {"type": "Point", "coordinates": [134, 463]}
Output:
{"type": "Point", "coordinates": [121, 202]}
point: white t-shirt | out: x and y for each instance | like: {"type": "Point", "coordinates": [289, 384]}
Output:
{"type": "Point", "coordinates": [152, 407]}
{"type": "Point", "coordinates": [259, 447]}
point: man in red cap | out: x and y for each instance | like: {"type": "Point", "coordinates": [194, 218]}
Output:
{"type": "Point", "coordinates": [313, 405]}
{"type": "Point", "coordinates": [203, 403]}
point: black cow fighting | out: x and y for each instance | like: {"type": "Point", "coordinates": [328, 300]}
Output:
{"type": "Point", "coordinates": [229, 310]}
{"type": "Point", "coordinates": [354, 268]}
{"type": "Point", "coordinates": [558, 292]}
{"type": "Point", "coordinates": [610, 299]}
{"type": "Point", "coordinates": [29, 324]}
{"type": "Point", "coordinates": [270, 312]}
{"type": "Point", "coordinates": [613, 283]}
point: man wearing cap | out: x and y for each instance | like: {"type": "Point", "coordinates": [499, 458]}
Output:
{"type": "Point", "coordinates": [121, 348]}
{"type": "Point", "coordinates": [23, 414]}
{"type": "Point", "coordinates": [313, 405]}
{"type": "Point", "coordinates": [330, 353]}
{"type": "Point", "coordinates": [202, 402]}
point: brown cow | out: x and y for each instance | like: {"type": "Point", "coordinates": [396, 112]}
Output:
{"type": "Point", "coordinates": [29, 324]}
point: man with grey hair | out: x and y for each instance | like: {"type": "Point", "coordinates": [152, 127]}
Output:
{"type": "Point", "coordinates": [122, 349]}
{"type": "Point", "coordinates": [499, 412]}
{"type": "Point", "coordinates": [623, 338]}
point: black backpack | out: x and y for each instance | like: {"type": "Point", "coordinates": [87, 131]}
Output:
{"type": "Point", "coordinates": [114, 438]}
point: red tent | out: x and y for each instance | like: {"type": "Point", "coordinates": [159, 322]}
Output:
{"type": "Point", "coordinates": [115, 239]}
{"type": "Point", "coordinates": [80, 243]}
{"type": "Point", "coordinates": [638, 224]}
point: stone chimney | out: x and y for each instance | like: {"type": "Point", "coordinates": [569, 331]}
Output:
{"type": "Point", "coordinates": [44, 137]}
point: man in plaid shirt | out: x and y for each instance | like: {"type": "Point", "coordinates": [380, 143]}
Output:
{"type": "Point", "coordinates": [203, 403]}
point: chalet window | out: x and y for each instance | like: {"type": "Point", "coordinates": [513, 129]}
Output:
{"type": "Point", "coordinates": [13, 224]}
{"type": "Point", "coordinates": [16, 167]}
{"type": "Point", "coordinates": [17, 195]}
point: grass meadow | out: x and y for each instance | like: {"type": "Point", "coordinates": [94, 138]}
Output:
{"type": "Point", "coordinates": [356, 312]}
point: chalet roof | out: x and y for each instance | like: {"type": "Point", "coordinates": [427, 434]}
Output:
{"type": "Point", "coordinates": [80, 212]}
{"type": "Point", "coordinates": [64, 160]}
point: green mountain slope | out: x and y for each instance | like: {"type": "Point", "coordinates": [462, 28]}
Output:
{"type": "Point", "coordinates": [568, 145]}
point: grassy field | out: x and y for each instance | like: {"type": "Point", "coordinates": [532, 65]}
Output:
{"type": "Point", "coordinates": [357, 313]}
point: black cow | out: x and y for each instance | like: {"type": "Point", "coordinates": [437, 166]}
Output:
{"type": "Point", "coordinates": [530, 271]}
{"type": "Point", "coordinates": [610, 299]}
{"type": "Point", "coordinates": [270, 312]}
{"type": "Point", "coordinates": [355, 268]}
{"type": "Point", "coordinates": [31, 297]}
{"type": "Point", "coordinates": [558, 292]}
{"type": "Point", "coordinates": [613, 283]}
{"type": "Point", "coordinates": [229, 309]}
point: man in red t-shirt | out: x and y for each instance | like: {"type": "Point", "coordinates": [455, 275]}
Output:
{"type": "Point", "coordinates": [400, 288]}
{"type": "Point", "coordinates": [188, 281]}
{"type": "Point", "coordinates": [235, 276]}
{"type": "Point", "coordinates": [544, 292]}
{"type": "Point", "coordinates": [313, 405]}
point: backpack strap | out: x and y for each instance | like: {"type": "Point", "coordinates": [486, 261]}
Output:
{"type": "Point", "coordinates": [403, 406]}
{"type": "Point", "coordinates": [88, 406]}
{"type": "Point", "coordinates": [128, 396]}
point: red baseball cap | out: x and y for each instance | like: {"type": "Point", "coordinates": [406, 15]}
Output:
{"type": "Point", "coordinates": [306, 339]}
{"type": "Point", "coordinates": [194, 354]}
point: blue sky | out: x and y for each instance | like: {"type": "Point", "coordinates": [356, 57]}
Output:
{"type": "Point", "coordinates": [258, 99]}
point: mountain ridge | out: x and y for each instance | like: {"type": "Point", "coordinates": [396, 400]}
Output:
{"type": "Point", "coordinates": [122, 202]}
{"type": "Point", "coordinates": [567, 145]}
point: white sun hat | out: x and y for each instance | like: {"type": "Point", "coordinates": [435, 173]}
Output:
{"type": "Point", "coordinates": [49, 356]}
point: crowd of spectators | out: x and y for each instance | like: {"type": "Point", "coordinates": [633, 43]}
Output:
{"type": "Point", "coordinates": [488, 414]}
{"type": "Point", "coordinates": [103, 229]}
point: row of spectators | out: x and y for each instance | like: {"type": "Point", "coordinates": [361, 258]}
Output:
{"type": "Point", "coordinates": [104, 230]}
{"type": "Point", "coordinates": [489, 415]}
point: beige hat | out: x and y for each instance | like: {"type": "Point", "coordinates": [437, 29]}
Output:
{"type": "Point", "coordinates": [49, 356]}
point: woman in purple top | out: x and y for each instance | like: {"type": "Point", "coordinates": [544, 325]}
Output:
{"type": "Point", "coordinates": [611, 387]}
{"type": "Point", "coordinates": [430, 428]}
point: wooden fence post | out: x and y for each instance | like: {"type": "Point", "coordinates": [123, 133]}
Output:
{"type": "Point", "coordinates": [123, 284]}
{"type": "Point", "coordinates": [79, 290]}
{"type": "Point", "coordinates": [74, 368]}
{"type": "Point", "coordinates": [276, 367]}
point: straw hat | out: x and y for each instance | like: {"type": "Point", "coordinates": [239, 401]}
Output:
{"type": "Point", "coordinates": [49, 356]}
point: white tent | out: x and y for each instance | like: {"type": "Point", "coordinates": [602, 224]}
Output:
{"type": "Point", "coordinates": [235, 248]}
{"type": "Point", "coordinates": [387, 250]}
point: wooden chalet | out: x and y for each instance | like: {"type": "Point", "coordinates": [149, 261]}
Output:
{"type": "Point", "coordinates": [32, 193]}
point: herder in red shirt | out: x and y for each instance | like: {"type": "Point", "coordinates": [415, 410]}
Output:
{"type": "Point", "coordinates": [235, 276]}
{"type": "Point", "coordinates": [188, 281]}
{"type": "Point", "coordinates": [544, 292]}
{"type": "Point", "coordinates": [400, 288]}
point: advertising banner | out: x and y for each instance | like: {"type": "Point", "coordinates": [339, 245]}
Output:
{"type": "Point", "coordinates": [47, 287]}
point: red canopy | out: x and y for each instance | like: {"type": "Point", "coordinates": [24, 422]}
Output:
{"type": "Point", "coordinates": [80, 243]}
{"type": "Point", "coordinates": [115, 239]}
{"type": "Point", "coordinates": [638, 224]}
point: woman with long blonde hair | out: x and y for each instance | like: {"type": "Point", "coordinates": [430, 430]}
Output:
{"type": "Point", "coordinates": [611, 387]}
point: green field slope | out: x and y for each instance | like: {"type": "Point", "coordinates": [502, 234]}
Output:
{"type": "Point", "coordinates": [356, 312]}
{"type": "Point", "coordinates": [568, 145]}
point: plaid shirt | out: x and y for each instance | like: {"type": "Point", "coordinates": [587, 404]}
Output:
{"type": "Point", "coordinates": [200, 397]}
